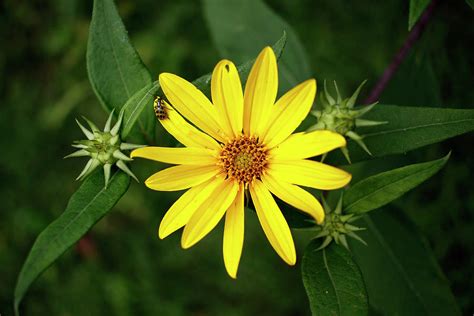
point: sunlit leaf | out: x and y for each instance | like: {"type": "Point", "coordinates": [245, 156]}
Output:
{"type": "Point", "coordinates": [380, 189]}
{"type": "Point", "coordinates": [85, 207]}
{"type": "Point", "coordinates": [115, 69]}
{"type": "Point", "coordinates": [136, 105]}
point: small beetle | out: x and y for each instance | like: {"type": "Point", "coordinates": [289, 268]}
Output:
{"type": "Point", "coordinates": [159, 106]}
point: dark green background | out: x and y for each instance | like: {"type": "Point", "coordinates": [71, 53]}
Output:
{"type": "Point", "coordinates": [121, 268]}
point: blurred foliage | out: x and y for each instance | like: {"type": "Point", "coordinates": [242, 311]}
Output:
{"type": "Point", "coordinates": [121, 266]}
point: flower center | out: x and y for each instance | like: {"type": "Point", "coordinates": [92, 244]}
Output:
{"type": "Point", "coordinates": [243, 159]}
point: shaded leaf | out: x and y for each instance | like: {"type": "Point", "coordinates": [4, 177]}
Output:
{"type": "Point", "coordinates": [115, 69]}
{"type": "Point", "coordinates": [470, 3]}
{"type": "Point", "coordinates": [203, 83]}
{"type": "Point", "coordinates": [85, 207]}
{"type": "Point", "coordinates": [380, 189]}
{"type": "Point", "coordinates": [294, 217]}
{"type": "Point", "coordinates": [240, 29]}
{"type": "Point", "coordinates": [333, 281]}
{"type": "Point", "coordinates": [418, 80]}
{"type": "Point", "coordinates": [401, 275]}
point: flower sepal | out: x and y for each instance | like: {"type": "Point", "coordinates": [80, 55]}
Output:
{"type": "Point", "coordinates": [104, 148]}
{"type": "Point", "coordinates": [337, 226]}
{"type": "Point", "coordinates": [340, 116]}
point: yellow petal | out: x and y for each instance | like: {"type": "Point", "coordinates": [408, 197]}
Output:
{"type": "Point", "coordinates": [192, 104]}
{"type": "Point", "coordinates": [295, 196]}
{"type": "Point", "coordinates": [273, 223]}
{"type": "Point", "coordinates": [234, 234]}
{"type": "Point", "coordinates": [181, 177]}
{"type": "Point", "coordinates": [260, 92]}
{"type": "Point", "coordinates": [288, 113]}
{"type": "Point", "coordinates": [209, 213]}
{"type": "Point", "coordinates": [305, 145]}
{"type": "Point", "coordinates": [181, 211]}
{"type": "Point", "coordinates": [185, 133]}
{"type": "Point", "coordinates": [185, 156]}
{"type": "Point", "coordinates": [309, 174]}
{"type": "Point", "coordinates": [227, 97]}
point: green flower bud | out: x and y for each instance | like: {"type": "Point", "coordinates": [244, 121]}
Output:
{"type": "Point", "coordinates": [340, 116]}
{"type": "Point", "coordinates": [103, 148]}
{"type": "Point", "coordinates": [337, 226]}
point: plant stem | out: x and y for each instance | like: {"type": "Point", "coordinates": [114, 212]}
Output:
{"type": "Point", "coordinates": [411, 39]}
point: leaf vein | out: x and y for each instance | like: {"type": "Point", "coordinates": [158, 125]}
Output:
{"type": "Point", "coordinates": [332, 281]}
{"type": "Point", "coordinates": [109, 36]}
{"type": "Point", "coordinates": [135, 109]}
{"type": "Point", "coordinates": [415, 127]}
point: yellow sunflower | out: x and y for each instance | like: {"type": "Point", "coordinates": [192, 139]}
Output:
{"type": "Point", "coordinates": [241, 141]}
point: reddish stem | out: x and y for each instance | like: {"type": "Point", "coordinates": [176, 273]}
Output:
{"type": "Point", "coordinates": [411, 39]}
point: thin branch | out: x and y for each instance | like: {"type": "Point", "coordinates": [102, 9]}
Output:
{"type": "Point", "coordinates": [410, 41]}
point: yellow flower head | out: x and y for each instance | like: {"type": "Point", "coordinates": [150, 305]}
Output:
{"type": "Point", "coordinates": [241, 141]}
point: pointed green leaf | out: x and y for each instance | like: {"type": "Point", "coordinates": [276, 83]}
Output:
{"type": "Point", "coordinates": [408, 128]}
{"type": "Point", "coordinates": [380, 189]}
{"type": "Point", "coordinates": [85, 207]}
{"type": "Point", "coordinates": [136, 105]}
{"type": "Point", "coordinates": [400, 272]}
{"type": "Point", "coordinates": [240, 29]}
{"type": "Point", "coordinates": [333, 281]}
{"type": "Point", "coordinates": [416, 9]}
{"type": "Point", "coordinates": [115, 69]}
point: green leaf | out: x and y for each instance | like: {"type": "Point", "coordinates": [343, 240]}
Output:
{"type": "Point", "coordinates": [86, 206]}
{"type": "Point", "coordinates": [408, 128]}
{"type": "Point", "coordinates": [240, 29]}
{"type": "Point", "coordinates": [115, 69]}
{"type": "Point", "coordinates": [380, 189]}
{"type": "Point", "coordinates": [470, 3]}
{"type": "Point", "coordinates": [136, 105]}
{"type": "Point", "coordinates": [203, 83]}
{"type": "Point", "coordinates": [401, 275]}
{"type": "Point", "coordinates": [333, 281]}
{"type": "Point", "coordinates": [416, 9]}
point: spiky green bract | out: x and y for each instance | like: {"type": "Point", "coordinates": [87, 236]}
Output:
{"type": "Point", "coordinates": [337, 226]}
{"type": "Point", "coordinates": [104, 148]}
{"type": "Point", "coordinates": [340, 116]}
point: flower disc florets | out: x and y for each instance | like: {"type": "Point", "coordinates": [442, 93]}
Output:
{"type": "Point", "coordinates": [243, 159]}
{"type": "Point", "coordinates": [103, 148]}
